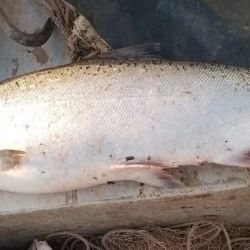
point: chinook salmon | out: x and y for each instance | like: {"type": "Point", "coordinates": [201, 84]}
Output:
{"type": "Point", "coordinates": [106, 120]}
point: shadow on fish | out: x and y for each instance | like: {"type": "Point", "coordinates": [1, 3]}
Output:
{"type": "Point", "coordinates": [104, 120]}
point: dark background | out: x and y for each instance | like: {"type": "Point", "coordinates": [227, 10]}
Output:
{"type": "Point", "coordinates": [194, 30]}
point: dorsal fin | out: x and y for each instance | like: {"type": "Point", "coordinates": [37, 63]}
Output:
{"type": "Point", "coordinates": [148, 50]}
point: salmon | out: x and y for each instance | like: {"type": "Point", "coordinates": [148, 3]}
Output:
{"type": "Point", "coordinates": [104, 120]}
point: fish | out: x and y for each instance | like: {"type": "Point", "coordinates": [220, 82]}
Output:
{"type": "Point", "coordinates": [105, 120]}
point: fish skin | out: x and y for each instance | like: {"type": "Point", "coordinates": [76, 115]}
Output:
{"type": "Point", "coordinates": [107, 120]}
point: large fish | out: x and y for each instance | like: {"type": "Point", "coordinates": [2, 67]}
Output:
{"type": "Point", "coordinates": [107, 120]}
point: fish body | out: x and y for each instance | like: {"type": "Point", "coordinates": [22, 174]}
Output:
{"type": "Point", "coordinates": [105, 120]}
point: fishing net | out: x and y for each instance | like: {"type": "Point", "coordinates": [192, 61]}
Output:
{"type": "Point", "coordinates": [201, 234]}
{"type": "Point", "coordinates": [80, 36]}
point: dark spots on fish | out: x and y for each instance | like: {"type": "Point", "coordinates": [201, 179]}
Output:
{"type": "Point", "coordinates": [110, 156]}
{"type": "Point", "coordinates": [227, 67]}
{"type": "Point", "coordinates": [17, 84]}
{"type": "Point", "coordinates": [191, 64]}
{"type": "Point", "coordinates": [27, 126]}
{"type": "Point", "coordinates": [43, 172]}
{"type": "Point", "coordinates": [226, 141]}
{"type": "Point", "coordinates": [87, 67]}
{"type": "Point", "coordinates": [142, 184]}
{"type": "Point", "coordinates": [95, 178]}
{"type": "Point", "coordinates": [149, 158]}
{"type": "Point", "coordinates": [44, 154]}
{"type": "Point", "coordinates": [229, 149]}
{"type": "Point", "coordinates": [119, 70]}
{"type": "Point", "coordinates": [134, 64]}
{"type": "Point", "coordinates": [80, 67]}
{"type": "Point", "coordinates": [187, 92]}
{"type": "Point", "coordinates": [140, 193]}
{"type": "Point", "coordinates": [197, 157]}
{"type": "Point", "coordinates": [110, 182]}
{"type": "Point", "coordinates": [184, 67]}
{"type": "Point", "coordinates": [161, 69]}
{"type": "Point", "coordinates": [11, 159]}
{"type": "Point", "coordinates": [145, 68]}
{"type": "Point", "coordinates": [49, 72]}
{"type": "Point", "coordinates": [130, 158]}
{"type": "Point", "coordinates": [99, 68]}
{"type": "Point", "coordinates": [110, 65]}
{"type": "Point", "coordinates": [170, 63]}
{"type": "Point", "coordinates": [177, 67]}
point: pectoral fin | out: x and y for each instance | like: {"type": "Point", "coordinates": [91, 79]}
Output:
{"type": "Point", "coordinates": [11, 159]}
